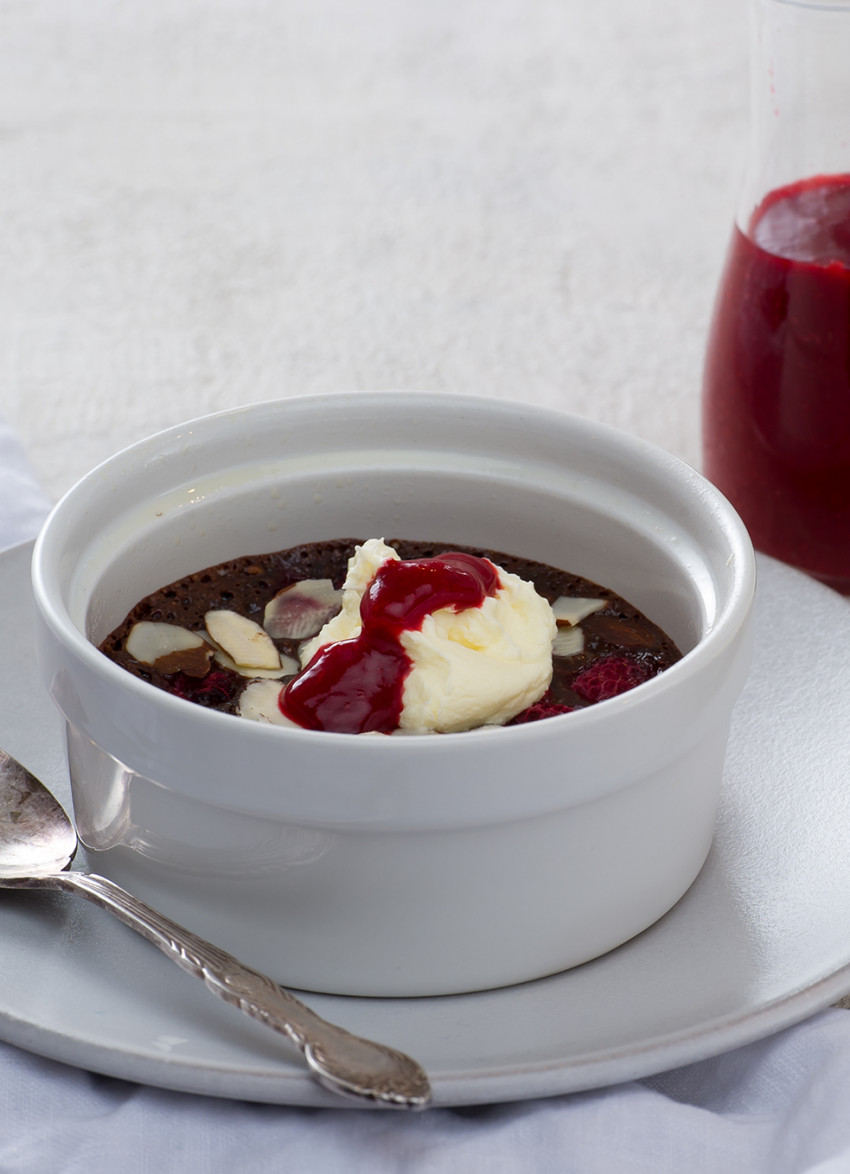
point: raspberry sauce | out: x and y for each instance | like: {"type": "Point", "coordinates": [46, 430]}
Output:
{"type": "Point", "coordinates": [776, 407]}
{"type": "Point", "coordinates": [356, 686]}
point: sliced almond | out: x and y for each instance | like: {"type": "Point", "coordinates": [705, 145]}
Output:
{"type": "Point", "coordinates": [286, 668]}
{"type": "Point", "coordinates": [301, 610]}
{"type": "Point", "coordinates": [573, 609]}
{"type": "Point", "coordinates": [194, 662]}
{"type": "Point", "coordinates": [150, 641]}
{"type": "Point", "coordinates": [619, 630]}
{"type": "Point", "coordinates": [568, 642]}
{"type": "Point", "coordinates": [244, 641]}
{"type": "Point", "coordinates": [259, 703]}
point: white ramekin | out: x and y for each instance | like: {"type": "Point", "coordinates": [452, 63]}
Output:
{"type": "Point", "coordinates": [409, 865]}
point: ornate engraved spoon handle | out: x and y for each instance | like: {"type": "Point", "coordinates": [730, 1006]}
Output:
{"type": "Point", "coordinates": [340, 1061]}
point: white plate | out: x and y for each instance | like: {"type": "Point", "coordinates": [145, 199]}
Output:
{"type": "Point", "coordinates": [760, 941]}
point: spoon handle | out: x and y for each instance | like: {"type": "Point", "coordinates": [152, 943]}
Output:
{"type": "Point", "coordinates": [340, 1061]}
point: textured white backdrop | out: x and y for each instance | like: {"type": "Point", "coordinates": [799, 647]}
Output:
{"type": "Point", "coordinates": [218, 201]}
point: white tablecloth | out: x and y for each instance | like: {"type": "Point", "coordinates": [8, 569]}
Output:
{"type": "Point", "coordinates": [777, 1107]}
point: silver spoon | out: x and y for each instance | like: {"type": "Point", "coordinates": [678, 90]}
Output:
{"type": "Point", "coordinates": [38, 843]}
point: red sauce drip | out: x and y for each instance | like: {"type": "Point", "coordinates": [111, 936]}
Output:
{"type": "Point", "coordinates": [776, 417]}
{"type": "Point", "coordinates": [356, 686]}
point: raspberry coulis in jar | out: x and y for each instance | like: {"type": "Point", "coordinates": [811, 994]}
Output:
{"type": "Point", "coordinates": [776, 398]}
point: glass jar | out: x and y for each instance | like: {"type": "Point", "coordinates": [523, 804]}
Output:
{"type": "Point", "coordinates": [776, 393]}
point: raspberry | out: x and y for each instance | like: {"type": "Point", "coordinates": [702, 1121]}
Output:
{"type": "Point", "coordinates": [216, 688]}
{"type": "Point", "coordinates": [545, 707]}
{"type": "Point", "coordinates": [610, 677]}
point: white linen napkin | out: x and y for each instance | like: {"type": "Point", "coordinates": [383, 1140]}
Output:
{"type": "Point", "coordinates": [774, 1107]}
{"type": "Point", "coordinates": [23, 507]}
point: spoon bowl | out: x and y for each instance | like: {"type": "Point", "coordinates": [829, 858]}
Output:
{"type": "Point", "coordinates": [36, 836]}
{"type": "Point", "coordinates": [38, 843]}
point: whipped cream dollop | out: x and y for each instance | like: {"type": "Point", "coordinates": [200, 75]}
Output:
{"type": "Point", "coordinates": [468, 666]}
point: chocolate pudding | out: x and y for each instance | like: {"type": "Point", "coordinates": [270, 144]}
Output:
{"type": "Point", "coordinates": [604, 645]}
